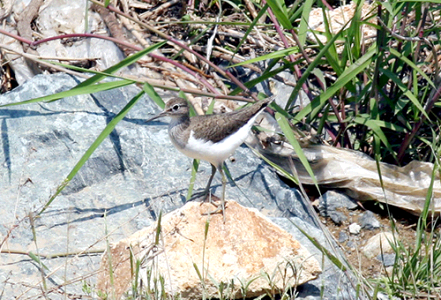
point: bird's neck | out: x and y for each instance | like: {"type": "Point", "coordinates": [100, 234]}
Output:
{"type": "Point", "coordinates": [177, 130]}
{"type": "Point", "coordinates": [179, 122]}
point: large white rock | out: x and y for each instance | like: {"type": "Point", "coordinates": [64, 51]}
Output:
{"type": "Point", "coordinates": [248, 246]}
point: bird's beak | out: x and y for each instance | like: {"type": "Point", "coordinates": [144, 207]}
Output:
{"type": "Point", "coordinates": [161, 114]}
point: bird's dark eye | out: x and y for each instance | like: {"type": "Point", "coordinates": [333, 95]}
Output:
{"type": "Point", "coordinates": [175, 107]}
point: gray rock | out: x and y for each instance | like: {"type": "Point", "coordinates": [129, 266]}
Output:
{"type": "Point", "coordinates": [332, 200]}
{"type": "Point", "coordinates": [342, 237]}
{"type": "Point", "coordinates": [351, 245]}
{"type": "Point", "coordinates": [368, 221]}
{"type": "Point", "coordinates": [133, 176]}
{"type": "Point", "coordinates": [388, 259]}
{"type": "Point", "coordinates": [337, 217]}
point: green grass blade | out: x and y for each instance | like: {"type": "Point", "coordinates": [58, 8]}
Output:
{"type": "Point", "coordinates": [303, 27]}
{"type": "Point", "coordinates": [272, 55]}
{"type": "Point", "coordinates": [311, 67]}
{"type": "Point", "coordinates": [412, 65]}
{"type": "Point", "coordinates": [109, 128]}
{"type": "Point", "coordinates": [158, 229]}
{"type": "Point", "coordinates": [349, 74]}
{"type": "Point", "coordinates": [405, 90]}
{"type": "Point", "coordinates": [251, 27]}
{"type": "Point", "coordinates": [150, 91]}
{"type": "Point", "coordinates": [76, 91]}
{"type": "Point", "coordinates": [194, 171]}
{"type": "Point", "coordinates": [275, 166]}
{"type": "Point", "coordinates": [284, 125]}
{"type": "Point", "coordinates": [279, 9]}
{"type": "Point", "coordinates": [37, 260]}
{"type": "Point", "coordinates": [325, 251]}
{"type": "Point", "coordinates": [375, 126]}
{"type": "Point", "coordinates": [124, 63]}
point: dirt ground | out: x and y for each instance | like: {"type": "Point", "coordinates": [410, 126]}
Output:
{"type": "Point", "coordinates": [405, 225]}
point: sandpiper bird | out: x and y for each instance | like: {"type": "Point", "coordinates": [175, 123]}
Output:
{"type": "Point", "coordinates": [212, 138]}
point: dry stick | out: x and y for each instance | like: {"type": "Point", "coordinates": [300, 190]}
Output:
{"type": "Point", "coordinates": [158, 57]}
{"type": "Point", "coordinates": [114, 27]}
{"type": "Point", "coordinates": [24, 29]}
{"type": "Point", "coordinates": [182, 45]}
{"type": "Point", "coordinates": [46, 64]}
{"type": "Point", "coordinates": [55, 255]}
{"type": "Point", "coordinates": [116, 30]}
{"type": "Point", "coordinates": [228, 57]}
{"type": "Point", "coordinates": [160, 9]}
{"type": "Point", "coordinates": [120, 42]}
{"type": "Point", "coordinates": [25, 19]}
{"type": "Point", "coordinates": [251, 8]}
{"type": "Point", "coordinates": [153, 82]}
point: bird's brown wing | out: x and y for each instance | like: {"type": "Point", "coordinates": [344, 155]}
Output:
{"type": "Point", "coordinates": [216, 127]}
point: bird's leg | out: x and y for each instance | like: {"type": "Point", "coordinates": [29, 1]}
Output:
{"type": "Point", "coordinates": [206, 192]}
{"type": "Point", "coordinates": [224, 183]}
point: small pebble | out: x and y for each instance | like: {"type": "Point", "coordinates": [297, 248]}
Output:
{"type": "Point", "coordinates": [351, 245]}
{"type": "Point", "coordinates": [354, 228]}
{"type": "Point", "coordinates": [369, 221]}
{"type": "Point", "coordinates": [388, 259]}
{"type": "Point", "coordinates": [342, 237]}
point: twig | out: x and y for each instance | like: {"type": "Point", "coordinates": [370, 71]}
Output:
{"type": "Point", "coordinates": [158, 57]}
{"type": "Point", "coordinates": [25, 19]}
{"type": "Point", "coordinates": [36, 59]}
{"type": "Point", "coordinates": [159, 10]}
{"type": "Point", "coordinates": [182, 45]}
{"type": "Point", "coordinates": [114, 27]}
{"type": "Point", "coordinates": [228, 57]}
{"type": "Point", "coordinates": [55, 255]}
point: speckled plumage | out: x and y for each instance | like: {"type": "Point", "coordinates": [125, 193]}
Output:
{"type": "Point", "coordinates": [210, 137]}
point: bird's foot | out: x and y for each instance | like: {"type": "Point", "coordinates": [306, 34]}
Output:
{"type": "Point", "coordinates": [206, 197]}
{"type": "Point", "coordinates": [220, 209]}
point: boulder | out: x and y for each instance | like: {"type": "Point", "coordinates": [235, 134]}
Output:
{"type": "Point", "coordinates": [195, 253]}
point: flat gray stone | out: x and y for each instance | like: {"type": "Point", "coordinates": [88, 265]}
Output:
{"type": "Point", "coordinates": [368, 221]}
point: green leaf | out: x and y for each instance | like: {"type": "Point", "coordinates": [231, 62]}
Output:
{"type": "Point", "coordinates": [150, 91]}
{"type": "Point", "coordinates": [76, 91]}
{"type": "Point", "coordinates": [194, 170]}
{"type": "Point", "coordinates": [276, 166]}
{"type": "Point", "coordinates": [284, 125]}
{"type": "Point", "coordinates": [411, 64]}
{"type": "Point", "coordinates": [278, 7]}
{"type": "Point", "coordinates": [89, 85]}
{"type": "Point", "coordinates": [37, 260]}
{"type": "Point", "coordinates": [349, 74]}
{"type": "Point", "coordinates": [405, 90]}
{"type": "Point", "coordinates": [251, 27]}
{"type": "Point", "coordinates": [272, 55]}
{"type": "Point", "coordinates": [375, 126]}
{"type": "Point", "coordinates": [304, 21]}
{"type": "Point", "coordinates": [310, 68]}
{"type": "Point", "coordinates": [124, 63]}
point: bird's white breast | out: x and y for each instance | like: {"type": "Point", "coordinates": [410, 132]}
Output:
{"type": "Point", "coordinates": [216, 153]}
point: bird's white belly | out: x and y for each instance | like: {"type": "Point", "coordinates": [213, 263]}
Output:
{"type": "Point", "coordinates": [216, 153]}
